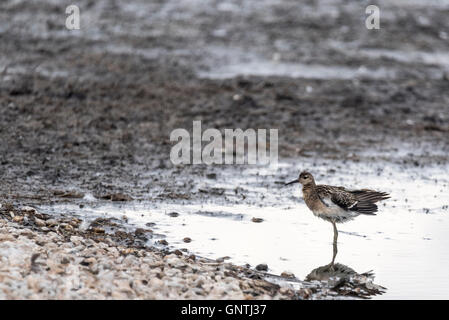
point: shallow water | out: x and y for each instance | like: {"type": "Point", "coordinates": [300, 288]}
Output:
{"type": "Point", "coordinates": [293, 70]}
{"type": "Point", "coordinates": [405, 244]}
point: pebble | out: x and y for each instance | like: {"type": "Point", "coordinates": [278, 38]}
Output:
{"type": "Point", "coordinates": [51, 222]}
{"type": "Point", "coordinates": [76, 240]}
{"type": "Point", "coordinates": [140, 232]}
{"type": "Point", "coordinates": [66, 226]}
{"type": "Point", "coordinates": [88, 261]}
{"type": "Point", "coordinates": [287, 274]}
{"type": "Point", "coordinates": [98, 230]}
{"type": "Point", "coordinates": [6, 237]}
{"type": "Point", "coordinates": [222, 259]}
{"type": "Point", "coordinates": [174, 261]}
{"type": "Point", "coordinates": [17, 219]}
{"type": "Point", "coordinates": [212, 176]}
{"type": "Point", "coordinates": [29, 209]}
{"type": "Point", "coordinates": [39, 222]}
{"type": "Point", "coordinates": [262, 267]}
{"type": "Point", "coordinates": [77, 267]}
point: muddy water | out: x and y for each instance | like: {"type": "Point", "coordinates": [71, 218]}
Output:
{"type": "Point", "coordinates": [405, 245]}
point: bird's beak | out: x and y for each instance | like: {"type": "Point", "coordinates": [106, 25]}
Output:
{"type": "Point", "coordinates": [291, 182]}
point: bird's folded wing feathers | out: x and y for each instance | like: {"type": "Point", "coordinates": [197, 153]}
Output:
{"type": "Point", "coordinates": [336, 196]}
{"type": "Point", "coordinates": [360, 201]}
{"type": "Point", "coordinates": [343, 199]}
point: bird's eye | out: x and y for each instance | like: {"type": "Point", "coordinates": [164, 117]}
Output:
{"type": "Point", "coordinates": [306, 177]}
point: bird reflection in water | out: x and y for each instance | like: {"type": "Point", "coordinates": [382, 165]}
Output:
{"type": "Point", "coordinates": [344, 281]}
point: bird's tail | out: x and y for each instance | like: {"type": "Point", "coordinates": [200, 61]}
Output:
{"type": "Point", "coordinates": [364, 207]}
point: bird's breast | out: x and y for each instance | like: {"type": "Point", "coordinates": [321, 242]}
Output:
{"type": "Point", "coordinates": [313, 202]}
{"type": "Point", "coordinates": [325, 210]}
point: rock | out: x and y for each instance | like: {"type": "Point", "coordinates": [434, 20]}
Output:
{"type": "Point", "coordinates": [65, 260]}
{"type": "Point", "coordinates": [27, 233]}
{"type": "Point", "coordinates": [212, 176]}
{"type": "Point", "coordinates": [66, 226]}
{"type": "Point", "coordinates": [68, 194]}
{"type": "Point", "coordinates": [141, 233]}
{"type": "Point", "coordinates": [192, 257]}
{"type": "Point", "coordinates": [18, 219]}
{"type": "Point", "coordinates": [88, 261]}
{"type": "Point", "coordinates": [75, 222]}
{"type": "Point", "coordinates": [128, 251]}
{"type": "Point", "coordinates": [305, 293]}
{"type": "Point", "coordinates": [41, 242]}
{"type": "Point", "coordinates": [173, 214]}
{"type": "Point", "coordinates": [76, 240]}
{"type": "Point", "coordinates": [198, 291]}
{"type": "Point", "coordinates": [51, 222]}
{"type": "Point", "coordinates": [156, 283]}
{"type": "Point", "coordinates": [222, 259]}
{"type": "Point", "coordinates": [39, 222]}
{"type": "Point", "coordinates": [117, 197]}
{"type": "Point", "coordinates": [6, 237]}
{"type": "Point", "coordinates": [262, 267]}
{"type": "Point", "coordinates": [288, 275]}
{"type": "Point", "coordinates": [163, 242]}
{"type": "Point", "coordinates": [175, 262]}
{"type": "Point", "coordinates": [27, 209]}
{"type": "Point", "coordinates": [98, 230]}
{"type": "Point", "coordinates": [256, 220]}
{"type": "Point", "coordinates": [187, 240]}
{"type": "Point", "coordinates": [286, 292]}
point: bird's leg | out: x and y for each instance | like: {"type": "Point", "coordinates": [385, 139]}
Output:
{"type": "Point", "coordinates": [334, 244]}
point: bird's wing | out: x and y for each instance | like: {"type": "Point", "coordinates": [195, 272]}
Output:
{"type": "Point", "coordinates": [339, 196]}
{"type": "Point", "coordinates": [360, 201]}
{"type": "Point", "coordinates": [367, 195]}
{"type": "Point", "coordinates": [324, 193]}
{"type": "Point", "coordinates": [344, 199]}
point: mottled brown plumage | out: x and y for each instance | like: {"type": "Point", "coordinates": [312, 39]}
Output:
{"type": "Point", "coordinates": [337, 204]}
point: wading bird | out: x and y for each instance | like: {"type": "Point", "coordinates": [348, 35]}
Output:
{"type": "Point", "coordinates": [337, 204]}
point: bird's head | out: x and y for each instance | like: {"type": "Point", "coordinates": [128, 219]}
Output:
{"type": "Point", "coordinates": [304, 178]}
